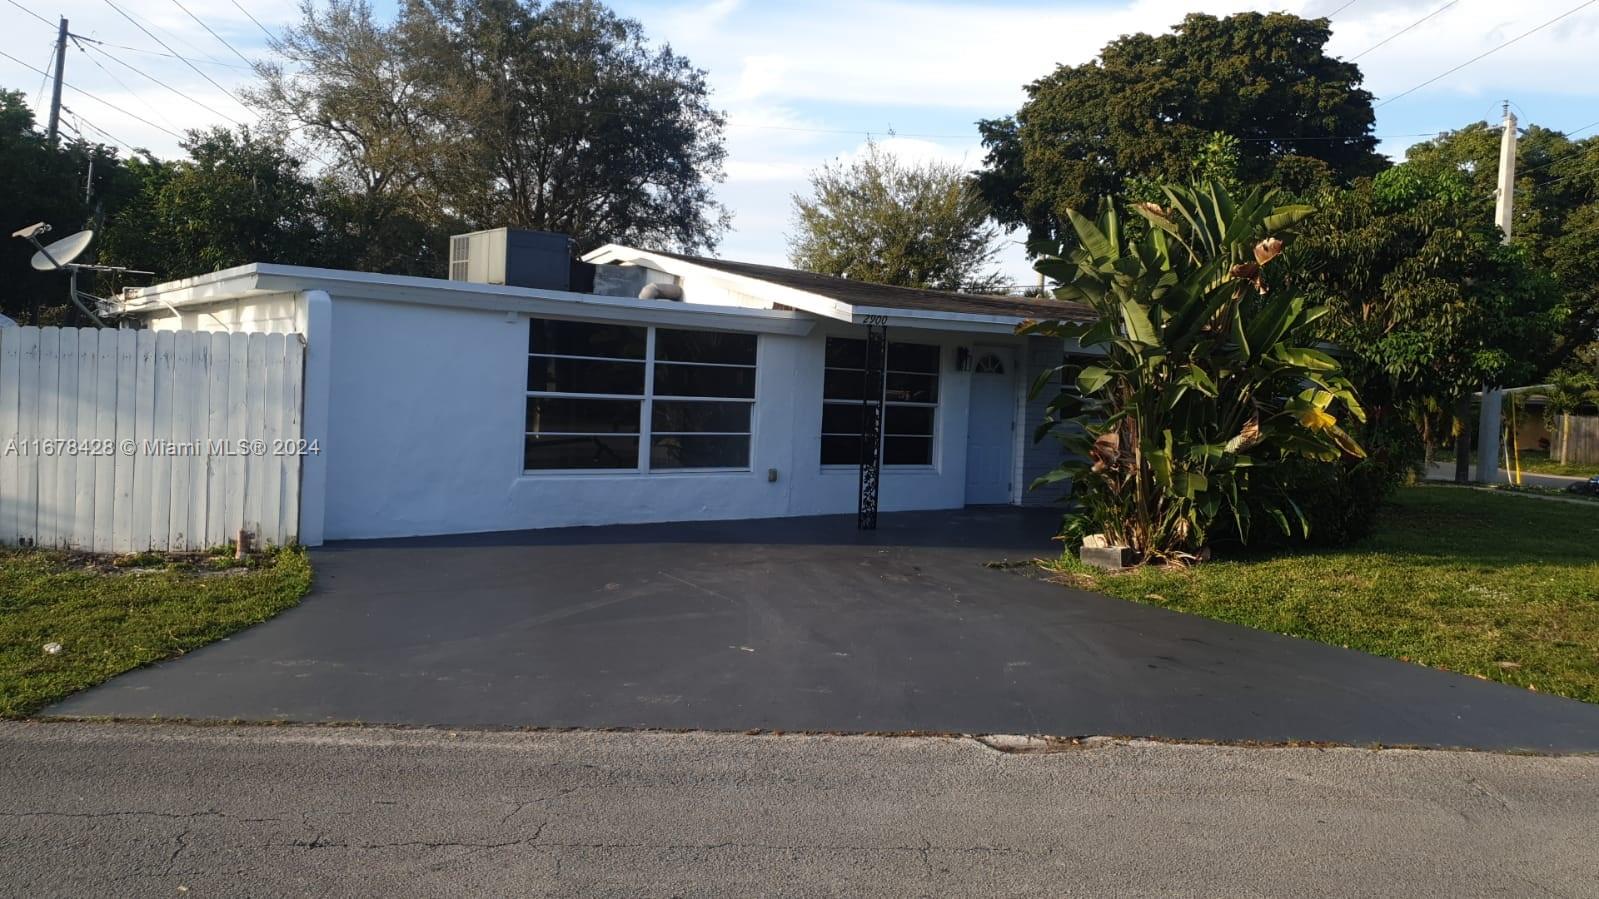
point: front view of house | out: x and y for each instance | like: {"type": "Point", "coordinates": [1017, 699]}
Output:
{"type": "Point", "coordinates": [632, 386]}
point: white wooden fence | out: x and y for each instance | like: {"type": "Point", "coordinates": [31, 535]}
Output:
{"type": "Point", "coordinates": [125, 441]}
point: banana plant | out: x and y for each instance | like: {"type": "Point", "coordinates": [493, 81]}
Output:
{"type": "Point", "coordinates": [1206, 374]}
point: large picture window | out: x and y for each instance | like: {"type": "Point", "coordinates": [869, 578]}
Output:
{"type": "Point", "coordinates": [622, 397]}
{"type": "Point", "coordinates": [910, 402]}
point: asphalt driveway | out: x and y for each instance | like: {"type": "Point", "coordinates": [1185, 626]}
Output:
{"type": "Point", "coordinates": [799, 624]}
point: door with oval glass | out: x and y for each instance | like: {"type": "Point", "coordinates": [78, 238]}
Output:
{"type": "Point", "coordinates": [991, 426]}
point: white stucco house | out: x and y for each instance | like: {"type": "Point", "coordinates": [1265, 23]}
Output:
{"type": "Point", "coordinates": [674, 388]}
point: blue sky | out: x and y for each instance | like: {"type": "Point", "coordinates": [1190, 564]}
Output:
{"type": "Point", "coordinates": [807, 82]}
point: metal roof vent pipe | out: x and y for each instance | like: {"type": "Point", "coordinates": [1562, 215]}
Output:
{"type": "Point", "coordinates": [654, 291]}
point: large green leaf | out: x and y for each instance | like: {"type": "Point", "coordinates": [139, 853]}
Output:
{"type": "Point", "coordinates": [1093, 239]}
{"type": "Point", "coordinates": [1092, 378]}
{"type": "Point", "coordinates": [1135, 318]}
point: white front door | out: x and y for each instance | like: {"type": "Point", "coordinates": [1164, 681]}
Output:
{"type": "Point", "coordinates": [990, 426]}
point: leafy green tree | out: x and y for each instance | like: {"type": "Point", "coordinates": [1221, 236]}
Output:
{"type": "Point", "coordinates": [559, 116]}
{"type": "Point", "coordinates": [1150, 104]}
{"type": "Point", "coordinates": [1556, 207]}
{"type": "Point", "coordinates": [1425, 300]}
{"type": "Point", "coordinates": [879, 219]}
{"type": "Point", "coordinates": [1210, 379]}
{"type": "Point", "coordinates": [240, 198]}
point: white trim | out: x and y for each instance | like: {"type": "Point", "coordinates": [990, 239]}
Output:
{"type": "Point", "coordinates": [316, 413]}
{"type": "Point", "coordinates": [266, 278]}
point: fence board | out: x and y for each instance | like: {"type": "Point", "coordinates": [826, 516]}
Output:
{"type": "Point", "coordinates": [83, 464]}
{"type": "Point", "coordinates": [1578, 439]}
{"type": "Point", "coordinates": [104, 438]}
{"type": "Point", "coordinates": [160, 468]}
{"type": "Point", "coordinates": [45, 525]}
{"type": "Point", "coordinates": [143, 418]}
{"type": "Point", "coordinates": [26, 527]}
{"type": "Point", "coordinates": [216, 428]}
{"type": "Point", "coordinates": [123, 441]}
{"type": "Point", "coordinates": [293, 373]}
{"type": "Point", "coordinates": [178, 472]}
{"type": "Point", "coordinates": [66, 492]}
{"type": "Point", "coordinates": [10, 449]}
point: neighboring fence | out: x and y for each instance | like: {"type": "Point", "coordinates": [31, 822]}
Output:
{"type": "Point", "coordinates": [124, 441]}
{"type": "Point", "coordinates": [1576, 440]}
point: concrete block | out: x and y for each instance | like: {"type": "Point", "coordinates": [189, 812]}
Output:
{"type": "Point", "coordinates": [1110, 558]}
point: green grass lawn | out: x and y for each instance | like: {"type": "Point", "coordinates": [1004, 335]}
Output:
{"type": "Point", "coordinates": [109, 619]}
{"type": "Point", "coordinates": [1501, 587]}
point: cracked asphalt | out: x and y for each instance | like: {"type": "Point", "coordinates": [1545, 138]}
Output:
{"type": "Point", "coordinates": [144, 809]}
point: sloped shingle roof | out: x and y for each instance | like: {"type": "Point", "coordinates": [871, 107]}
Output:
{"type": "Point", "coordinates": [864, 293]}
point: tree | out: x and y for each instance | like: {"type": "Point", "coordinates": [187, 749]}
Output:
{"type": "Point", "coordinates": [1425, 301]}
{"type": "Point", "coordinates": [557, 116]}
{"type": "Point", "coordinates": [878, 219]}
{"type": "Point", "coordinates": [239, 198]}
{"type": "Point", "coordinates": [1149, 105]}
{"type": "Point", "coordinates": [1209, 380]}
{"type": "Point", "coordinates": [1556, 210]}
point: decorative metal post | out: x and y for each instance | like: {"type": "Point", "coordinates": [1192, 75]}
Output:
{"type": "Point", "coordinates": [872, 385]}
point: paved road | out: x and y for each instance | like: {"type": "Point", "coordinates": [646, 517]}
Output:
{"type": "Point", "coordinates": [145, 810]}
{"type": "Point", "coordinates": [799, 624]}
{"type": "Point", "coordinates": [1445, 471]}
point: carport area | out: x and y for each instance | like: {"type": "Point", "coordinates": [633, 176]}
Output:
{"type": "Point", "coordinates": [799, 624]}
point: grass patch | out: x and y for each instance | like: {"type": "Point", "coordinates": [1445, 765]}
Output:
{"type": "Point", "coordinates": [1538, 462]}
{"type": "Point", "coordinates": [111, 615]}
{"type": "Point", "coordinates": [1493, 586]}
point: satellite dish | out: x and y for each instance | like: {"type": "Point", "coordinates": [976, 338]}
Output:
{"type": "Point", "coordinates": [59, 253]}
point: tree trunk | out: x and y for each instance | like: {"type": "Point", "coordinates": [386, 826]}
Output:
{"type": "Point", "coordinates": [1463, 440]}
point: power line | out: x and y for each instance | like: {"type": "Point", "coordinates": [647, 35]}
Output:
{"type": "Point", "coordinates": [31, 13]}
{"type": "Point", "coordinates": [83, 121]}
{"type": "Point", "coordinates": [208, 30]}
{"type": "Point", "coordinates": [191, 65]}
{"type": "Point", "coordinates": [113, 77]}
{"type": "Point", "coordinates": [108, 104]}
{"type": "Point", "coordinates": [139, 71]}
{"type": "Point", "coordinates": [1403, 30]}
{"type": "Point", "coordinates": [1578, 8]}
{"type": "Point", "coordinates": [270, 36]}
{"type": "Point", "coordinates": [164, 55]}
{"type": "Point", "coordinates": [38, 96]}
{"type": "Point", "coordinates": [1340, 9]}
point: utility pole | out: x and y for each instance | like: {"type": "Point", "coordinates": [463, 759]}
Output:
{"type": "Point", "coordinates": [55, 95]}
{"type": "Point", "coordinates": [1493, 398]}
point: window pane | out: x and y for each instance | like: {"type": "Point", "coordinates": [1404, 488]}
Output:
{"type": "Point", "coordinates": [922, 357]}
{"type": "Point", "coordinates": [698, 380]}
{"type": "Point", "coordinates": [585, 339]}
{"type": "Point", "coordinates": [841, 450]}
{"type": "Point", "coordinates": [555, 415]}
{"type": "Point", "coordinates": [704, 346]}
{"type": "Point", "coordinates": [580, 452]}
{"type": "Point", "coordinates": [841, 418]}
{"type": "Point", "coordinates": [585, 376]}
{"type": "Point", "coordinates": [907, 451]}
{"type": "Point", "coordinates": [842, 384]}
{"type": "Point", "coordinates": [844, 352]}
{"type": "Point", "coordinates": [700, 452]}
{"type": "Point", "coordinates": [912, 388]}
{"type": "Point", "coordinates": [677, 415]}
{"type": "Point", "coordinates": [912, 420]}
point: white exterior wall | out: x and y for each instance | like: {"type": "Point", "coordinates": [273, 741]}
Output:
{"type": "Point", "coordinates": [274, 313]}
{"type": "Point", "coordinates": [425, 435]}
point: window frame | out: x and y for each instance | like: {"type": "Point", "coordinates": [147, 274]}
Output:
{"type": "Point", "coordinates": [936, 406]}
{"type": "Point", "coordinates": [644, 434]}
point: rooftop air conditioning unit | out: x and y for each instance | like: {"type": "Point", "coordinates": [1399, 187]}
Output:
{"type": "Point", "coordinates": [512, 257]}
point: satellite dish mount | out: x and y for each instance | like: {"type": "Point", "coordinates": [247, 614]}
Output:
{"type": "Point", "coordinates": [60, 255]}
